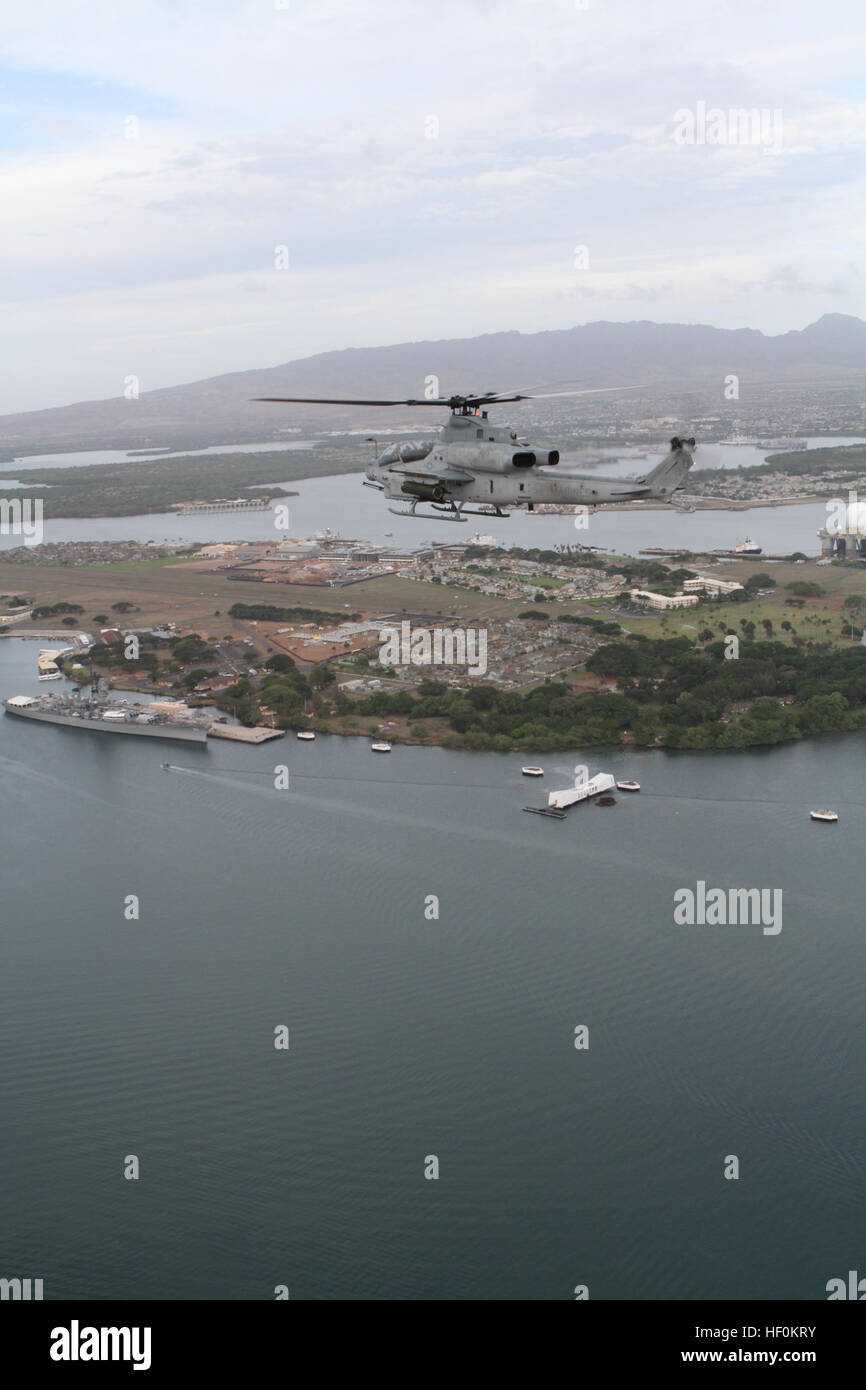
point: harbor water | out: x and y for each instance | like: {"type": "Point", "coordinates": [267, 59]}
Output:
{"type": "Point", "coordinates": [431, 951]}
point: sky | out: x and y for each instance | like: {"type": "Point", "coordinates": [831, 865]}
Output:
{"type": "Point", "coordinates": [197, 187]}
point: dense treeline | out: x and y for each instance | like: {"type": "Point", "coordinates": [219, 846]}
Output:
{"type": "Point", "coordinates": [269, 613]}
{"type": "Point", "coordinates": [284, 692]}
{"type": "Point", "coordinates": [155, 485]}
{"type": "Point", "coordinates": [53, 610]}
{"type": "Point", "coordinates": [846, 458]}
{"type": "Point", "coordinates": [671, 692]}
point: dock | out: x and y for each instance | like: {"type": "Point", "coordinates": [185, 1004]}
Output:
{"type": "Point", "coordinates": [546, 811]}
{"type": "Point", "coordinates": [259, 734]}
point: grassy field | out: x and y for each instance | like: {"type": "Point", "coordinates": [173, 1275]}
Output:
{"type": "Point", "coordinates": [128, 566]}
{"type": "Point", "coordinates": [191, 594]}
{"type": "Point", "coordinates": [819, 619]}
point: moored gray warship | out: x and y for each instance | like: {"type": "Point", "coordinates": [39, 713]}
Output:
{"type": "Point", "coordinates": [98, 714]}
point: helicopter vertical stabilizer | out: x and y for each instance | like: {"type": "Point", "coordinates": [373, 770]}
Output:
{"type": "Point", "coordinates": [671, 472]}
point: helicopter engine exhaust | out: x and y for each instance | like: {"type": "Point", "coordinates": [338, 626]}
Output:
{"type": "Point", "coordinates": [544, 456]}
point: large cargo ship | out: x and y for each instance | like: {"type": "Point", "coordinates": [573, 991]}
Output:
{"type": "Point", "coordinates": [786, 446]}
{"type": "Point", "coordinates": [99, 715]}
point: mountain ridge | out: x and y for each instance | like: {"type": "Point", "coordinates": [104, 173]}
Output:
{"type": "Point", "coordinates": [671, 358]}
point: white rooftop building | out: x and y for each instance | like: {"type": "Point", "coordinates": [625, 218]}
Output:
{"type": "Point", "coordinates": [705, 584]}
{"type": "Point", "coordinates": [662, 601]}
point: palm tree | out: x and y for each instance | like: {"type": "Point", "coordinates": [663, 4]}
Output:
{"type": "Point", "coordinates": [855, 605]}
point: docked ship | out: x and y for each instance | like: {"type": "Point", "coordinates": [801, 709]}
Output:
{"type": "Point", "coordinates": [47, 668]}
{"type": "Point", "coordinates": [747, 547]}
{"type": "Point", "coordinates": [100, 715]}
{"type": "Point", "coordinates": [784, 446]}
{"type": "Point", "coordinates": [225, 504]}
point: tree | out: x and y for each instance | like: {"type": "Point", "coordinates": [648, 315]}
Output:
{"type": "Point", "coordinates": [854, 605]}
{"type": "Point", "coordinates": [805, 588]}
{"type": "Point", "coordinates": [279, 662]}
{"type": "Point", "coordinates": [191, 648]}
{"type": "Point", "coordinates": [193, 678]}
{"type": "Point", "coordinates": [321, 676]}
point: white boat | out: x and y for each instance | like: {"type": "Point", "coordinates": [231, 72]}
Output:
{"type": "Point", "coordinates": [47, 668]}
{"type": "Point", "coordinates": [747, 547]}
{"type": "Point", "coordinates": [380, 747]}
{"type": "Point", "coordinates": [628, 786]}
{"type": "Point", "coordinates": [824, 815]}
{"type": "Point", "coordinates": [306, 734]}
{"type": "Point", "coordinates": [532, 771]}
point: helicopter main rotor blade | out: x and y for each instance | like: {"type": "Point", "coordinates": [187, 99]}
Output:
{"type": "Point", "coordinates": [534, 394]}
{"type": "Point", "coordinates": [586, 391]}
{"type": "Point", "coordinates": [453, 402]}
{"type": "Point", "coordinates": [330, 400]}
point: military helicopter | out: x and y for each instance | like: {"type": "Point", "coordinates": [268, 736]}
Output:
{"type": "Point", "coordinates": [474, 468]}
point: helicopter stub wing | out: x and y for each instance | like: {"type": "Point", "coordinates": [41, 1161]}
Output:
{"type": "Point", "coordinates": [446, 473]}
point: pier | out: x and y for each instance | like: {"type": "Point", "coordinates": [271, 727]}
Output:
{"type": "Point", "coordinates": [260, 734]}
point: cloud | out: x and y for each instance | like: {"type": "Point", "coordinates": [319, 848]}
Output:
{"type": "Point", "coordinates": [788, 280]}
{"type": "Point", "coordinates": [158, 153]}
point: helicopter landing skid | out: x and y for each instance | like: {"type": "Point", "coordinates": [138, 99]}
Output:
{"type": "Point", "coordinates": [451, 512]}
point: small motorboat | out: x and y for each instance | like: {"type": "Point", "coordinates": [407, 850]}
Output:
{"type": "Point", "coordinates": [166, 767]}
{"type": "Point", "coordinates": [306, 734]}
{"type": "Point", "coordinates": [380, 747]}
{"type": "Point", "coordinates": [606, 801]}
{"type": "Point", "coordinates": [532, 771]}
{"type": "Point", "coordinates": [824, 815]}
{"type": "Point", "coordinates": [628, 786]}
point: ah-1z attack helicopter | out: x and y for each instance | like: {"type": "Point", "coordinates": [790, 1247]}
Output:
{"type": "Point", "coordinates": [473, 461]}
